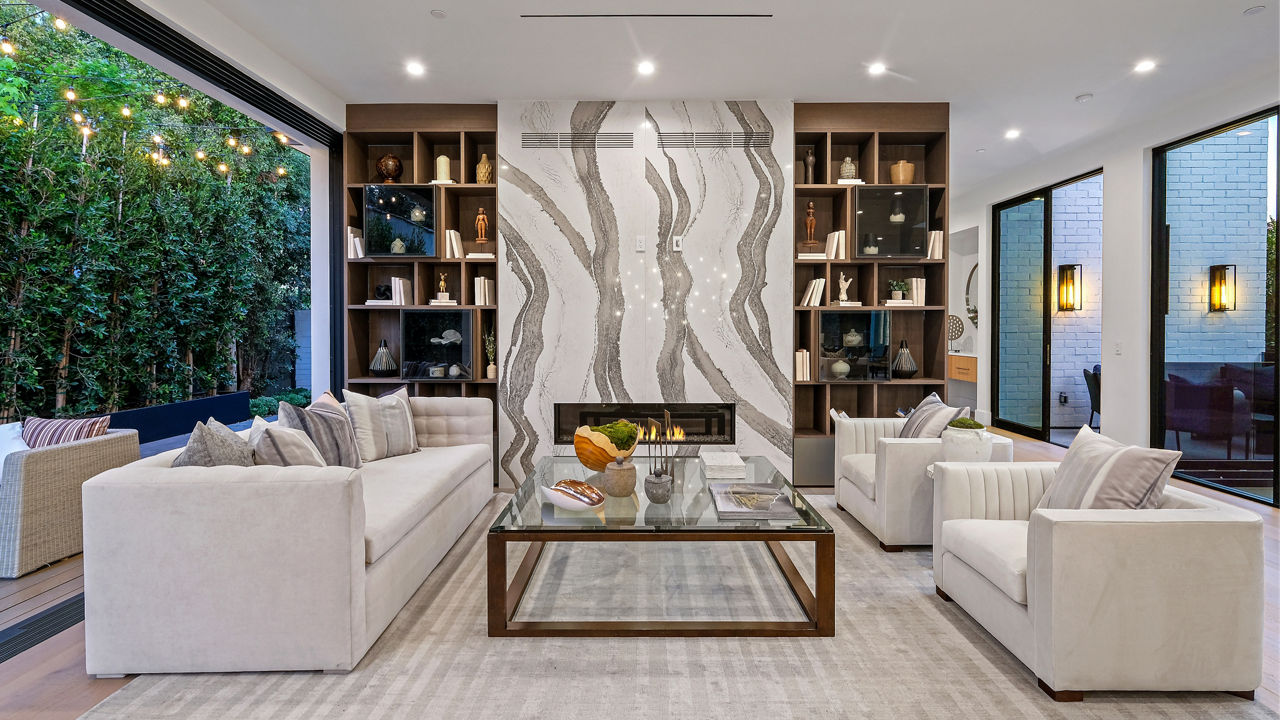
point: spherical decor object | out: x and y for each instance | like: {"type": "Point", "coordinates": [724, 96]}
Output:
{"type": "Point", "coordinates": [573, 495]}
{"type": "Point", "coordinates": [389, 168]}
{"type": "Point", "coordinates": [598, 446]}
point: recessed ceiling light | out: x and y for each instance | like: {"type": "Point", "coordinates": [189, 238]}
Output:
{"type": "Point", "coordinates": [1255, 9]}
{"type": "Point", "coordinates": [439, 14]}
{"type": "Point", "coordinates": [1144, 66]}
{"type": "Point", "coordinates": [1084, 98]}
{"type": "Point", "coordinates": [1012, 134]}
{"type": "Point", "coordinates": [413, 67]}
{"type": "Point", "coordinates": [876, 68]}
{"type": "Point", "coordinates": [980, 150]}
{"type": "Point", "coordinates": [645, 67]}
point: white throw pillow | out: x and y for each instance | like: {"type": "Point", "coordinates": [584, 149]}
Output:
{"type": "Point", "coordinates": [1100, 473]}
{"type": "Point", "coordinates": [930, 418]}
{"type": "Point", "coordinates": [383, 425]}
{"type": "Point", "coordinates": [11, 440]}
{"type": "Point", "coordinates": [278, 445]}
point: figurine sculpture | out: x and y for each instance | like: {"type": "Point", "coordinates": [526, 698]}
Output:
{"type": "Point", "coordinates": [809, 162]}
{"type": "Point", "coordinates": [444, 288]}
{"type": "Point", "coordinates": [809, 224]}
{"type": "Point", "coordinates": [482, 226]}
{"type": "Point", "coordinates": [844, 287]}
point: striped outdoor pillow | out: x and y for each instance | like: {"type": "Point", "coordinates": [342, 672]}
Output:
{"type": "Point", "coordinates": [43, 432]}
{"type": "Point", "coordinates": [1100, 473]}
{"type": "Point", "coordinates": [276, 445]}
{"type": "Point", "coordinates": [383, 425]}
{"type": "Point", "coordinates": [328, 426]}
{"type": "Point", "coordinates": [930, 418]}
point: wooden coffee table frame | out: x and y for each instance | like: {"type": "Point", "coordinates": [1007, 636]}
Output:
{"type": "Point", "coordinates": [818, 604]}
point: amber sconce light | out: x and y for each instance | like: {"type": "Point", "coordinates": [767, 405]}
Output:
{"type": "Point", "coordinates": [1222, 288]}
{"type": "Point", "coordinates": [1069, 287]}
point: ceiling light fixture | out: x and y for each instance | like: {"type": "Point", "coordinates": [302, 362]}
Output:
{"type": "Point", "coordinates": [439, 14]}
{"type": "Point", "coordinates": [645, 67]}
{"type": "Point", "coordinates": [876, 68]}
{"type": "Point", "coordinates": [981, 150]}
{"type": "Point", "coordinates": [415, 68]}
{"type": "Point", "coordinates": [1144, 66]}
{"type": "Point", "coordinates": [1255, 9]}
{"type": "Point", "coordinates": [1084, 98]}
{"type": "Point", "coordinates": [1012, 134]}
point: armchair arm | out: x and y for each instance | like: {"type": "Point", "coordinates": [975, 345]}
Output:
{"type": "Point", "coordinates": [448, 421]}
{"type": "Point", "coordinates": [40, 497]}
{"type": "Point", "coordinates": [1158, 599]}
{"type": "Point", "coordinates": [904, 493]}
{"type": "Point", "coordinates": [857, 436]}
{"type": "Point", "coordinates": [223, 569]}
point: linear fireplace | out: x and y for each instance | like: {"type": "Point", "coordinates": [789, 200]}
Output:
{"type": "Point", "coordinates": [701, 423]}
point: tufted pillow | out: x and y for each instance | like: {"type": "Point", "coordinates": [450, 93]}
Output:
{"type": "Point", "coordinates": [212, 444]}
{"type": "Point", "coordinates": [43, 432]}
{"type": "Point", "coordinates": [930, 418]}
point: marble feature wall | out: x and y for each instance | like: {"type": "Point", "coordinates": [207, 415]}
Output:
{"type": "Point", "coordinates": [644, 273]}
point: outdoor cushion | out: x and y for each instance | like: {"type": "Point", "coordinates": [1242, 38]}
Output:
{"type": "Point", "coordinates": [997, 549]}
{"type": "Point", "coordinates": [860, 469]}
{"type": "Point", "coordinates": [400, 491]}
{"type": "Point", "coordinates": [43, 432]}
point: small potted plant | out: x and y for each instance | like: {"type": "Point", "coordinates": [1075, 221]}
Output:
{"type": "Point", "coordinates": [898, 288]}
{"type": "Point", "coordinates": [491, 350]}
{"type": "Point", "coordinates": [966, 440]}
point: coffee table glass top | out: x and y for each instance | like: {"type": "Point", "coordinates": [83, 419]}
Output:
{"type": "Point", "coordinates": [691, 507]}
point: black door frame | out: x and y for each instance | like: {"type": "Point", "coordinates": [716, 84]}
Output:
{"type": "Point", "coordinates": [1160, 301]}
{"type": "Point", "coordinates": [1045, 195]}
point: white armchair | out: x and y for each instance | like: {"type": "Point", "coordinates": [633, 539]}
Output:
{"type": "Point", "coordinates": [1165, 599]}
{"type": "Point", "coordinates": [882, 479]}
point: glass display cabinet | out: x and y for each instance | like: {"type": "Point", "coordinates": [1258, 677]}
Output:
{"type": "Point", "coordinates": [854, 345]}
{"type": "Point", "coordinates": [892, 221]}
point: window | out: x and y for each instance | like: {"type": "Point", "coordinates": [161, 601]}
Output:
{"type": "Point", "coordinates": [1214, 322]}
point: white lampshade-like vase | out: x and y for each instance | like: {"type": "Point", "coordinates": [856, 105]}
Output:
{"type": "Point", "coordinates": [966, 445]}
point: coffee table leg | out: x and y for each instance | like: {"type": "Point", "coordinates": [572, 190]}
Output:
{"type": "Point", "coordinates": [824, 580]}
{"type": "Point", "coordinates": [497, 582]}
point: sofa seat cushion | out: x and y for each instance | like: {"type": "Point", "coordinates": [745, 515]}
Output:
{"type": "Point", "coordinates": [860, 469]}
{"type": "Point", "coordinates": [995, 548]}
{"type": "Point", "coordinates": [399, 491]}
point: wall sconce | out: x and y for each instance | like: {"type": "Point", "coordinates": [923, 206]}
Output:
{"type": "Point", "coordinates": [1222, 288]}
{"type": "Point", "coordinates": [1069, 290]}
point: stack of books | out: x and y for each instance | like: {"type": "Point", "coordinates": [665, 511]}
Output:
{"type": "Point", "coordinates": [849, 181]}
{"type": "Point", "coordinates": [481, 256]}
{"type": "Point", "coordinates": [917, 290]}
{"type": "Point", "coordinates": [906, 302]}
{"type": "Point", "coordinates": [802, 366]}
{"type": "Point", "coordinates": [936, 240]}
{"type": "Point", "coordinates": [401, 292]}
{"type": "Point", "coordinates": [813, 293]}
{"type": "Point", "coordinates": [452, 245]}
{"type": "Point", "coordinates": [837, 246]}
{"type": "Point", "coordinates": [484, 292]}
{"type": "Point", "coordinates": [355, 243]}
{"type": "Point", "coordinates": [723, 466]}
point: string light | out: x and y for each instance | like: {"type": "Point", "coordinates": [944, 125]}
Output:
{"type": "Point", "coordinates": [6, 46]}
{"type": "Point", "coordinates": [281, 137]}
{"type": "Point", "coordinates": [245, 149]}
{"type": "Point", "coordinates": [155, 155]}
{"type": "Point", "coordinates": [200, 155]}
{"type": "Point", "coordinates": [222, 167]}
{"type": "Point", "coordinates": [231, 141]}
{"type": "Point", "coordinates": [161, 99]}
{"type": "Point", "coordinates": [60, 24]}
{"type": "Point", "coordinates": [164, 161]}
{"type": "Point", "coordinates": [86, 130]}
{"type": "Point", "coordinates": [157, 139]}
{"type": "Point", "coordinates": [77, 117]}
{"type": "Point", "coordinates": [125, 111]}
{"type": "Point", "coordinates": [281, 171]}
{"type": "Point", "coordinates": [183, 102]}
{"type": "Point", "coordinates": [70, 94]}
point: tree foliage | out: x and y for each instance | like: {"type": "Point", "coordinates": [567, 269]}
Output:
{"type": "Point", "coordinates": [128, 282]}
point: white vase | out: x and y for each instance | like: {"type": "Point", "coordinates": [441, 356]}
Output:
{"type": "Point", "coordinates": [966, 445]}
{"type": "Point", "coordinates": [840, 369]}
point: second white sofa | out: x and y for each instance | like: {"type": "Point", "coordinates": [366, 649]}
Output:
{"type": "Point", "coordinates": [225, 569]}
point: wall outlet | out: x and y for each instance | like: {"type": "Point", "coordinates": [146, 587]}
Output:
{"type": "Point", "coordinates": [1117, 348]}
{"type": "Point", "coordinates": [677, 243]}
{"type": "Point", "coordinates": [1062, 398]}
{"type": "Point", "coordinates": [639, 243]}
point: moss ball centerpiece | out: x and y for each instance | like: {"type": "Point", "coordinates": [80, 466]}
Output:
{"type": "Point", "coordinates": [599, 445]}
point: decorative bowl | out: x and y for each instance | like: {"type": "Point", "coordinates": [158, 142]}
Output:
{"type": "Point", "coordinates": [595, 449]}
{"type": "Point", "coordinates": [573, 495]}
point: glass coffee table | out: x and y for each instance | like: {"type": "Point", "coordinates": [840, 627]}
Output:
{"type": "Point", "coordinates": [690, 517]}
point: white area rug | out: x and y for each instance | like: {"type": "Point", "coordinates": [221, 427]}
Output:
{"type": "Point", "coordinates": [898, 652]}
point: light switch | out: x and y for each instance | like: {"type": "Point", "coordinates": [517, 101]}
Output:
{"type": "Point", "coordinates": [1116, 348]}
{"type": "Point", "coordinates": [677, 243]}
{"type": "Point", "coordinates": [640, 243]}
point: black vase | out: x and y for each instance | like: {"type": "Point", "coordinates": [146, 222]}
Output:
{"type": "Point", "coordinates": [904, 366]}
{"type": "Point", "coordinates": [383, 365]}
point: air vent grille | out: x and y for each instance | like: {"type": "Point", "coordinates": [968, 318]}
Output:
{"type": "Point", "coordinates": [715, 139]}
{"type": "Point", "coordinates": [577, 140]}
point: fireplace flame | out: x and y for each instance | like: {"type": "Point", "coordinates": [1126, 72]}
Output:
{"type": "Point", "coordinates": [653, 433]}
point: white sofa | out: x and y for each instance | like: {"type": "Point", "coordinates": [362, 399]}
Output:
{"type": "Point", "coordinates": [1164, 599]}
{"type": "Point", "coordinates": [228, 569]}
{"type": "Point", "coordinates": [882, 479]}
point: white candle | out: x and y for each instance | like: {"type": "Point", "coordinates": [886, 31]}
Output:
{"type": "Point", "coordinates": [442, 168]}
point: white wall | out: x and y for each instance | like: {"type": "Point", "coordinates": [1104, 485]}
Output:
{"type": "Point", "coordinates": [1125, 156]}
{"type": "Point", "coordinates": [321, 307]}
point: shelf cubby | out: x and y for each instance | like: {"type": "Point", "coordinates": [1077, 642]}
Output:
{"type": "Point", "coordinates": [857, 146]}
{"type": "Point", "coordinates": [818, 142]}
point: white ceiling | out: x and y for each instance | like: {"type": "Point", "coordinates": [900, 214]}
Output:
{"type": "Point", "coordinates": [1000, 63]}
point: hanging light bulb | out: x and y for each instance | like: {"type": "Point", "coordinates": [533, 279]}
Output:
{"type": "Point", "coordinates": [222, 167]}
{"type": "Point", "coordinates": [183, 102]}
{"type": "Point", "coordinates": [245, 149]}
{"type": "Point", "coordinates": [157, 139]}
{"type": "Point", "coordinates": [77, 117]}
{"type": "Point", "coordinates": [7, 47]}
{"type": "Point", "coordinates": [125, 111]}
{"type": "Point", "coordinates": [281, 171]}
{"type": "Point", "coordinates": [231, 141]}
{"type": "Point", "coordinates": [200, 155]}
{"type": "Point", "coordinates": [60, 24]}
{"type": "Point", "coordinates": [155, 155]}
{"type": "Point", "coordinates": [164, 161]}
{"type": "Point", "coordinates": [281, 137]}
{"type": "Point", "coordinates": [161, 99]}
{"type": "Point", "coordinates": [70, 94]}
{"type": "Point", "coordinates": [86, 130]}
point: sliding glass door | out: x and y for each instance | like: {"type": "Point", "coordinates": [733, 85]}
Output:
{"type": "Point", "coordinates": [1020, 329]}
{"type": "Point", "coordinates": [1214, 320]}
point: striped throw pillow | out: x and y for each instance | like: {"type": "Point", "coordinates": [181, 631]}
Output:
{"type": "Point", "coordinates": [276, 445]}
{"type": "Point", "coordinates": [384, 425]}
{"type": "Point", "coordinates": [328, 426]}
{"type": "Point", "coordinates": [1100, 473]}
{"type": "Point", "coordinates": [930, 418]}
{"type": "Point", "coordinates": [43, 432]}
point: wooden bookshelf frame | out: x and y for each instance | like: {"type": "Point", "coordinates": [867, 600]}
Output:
{"type": "Point", "coordinates": [875, 135]}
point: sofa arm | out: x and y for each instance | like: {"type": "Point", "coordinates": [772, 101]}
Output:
{"type": "Point", "coordinates": [1158, 599]}
{"type": "Point", "coordinates": [904, 493]}
{"type": "Point", "coordinates": [40, 497]}
{"type": "Point", "coordinates": [223, 569]}
{"type": "Point", "coordinates": [448, 421]}
{"type": "Point", "coordinates": [858, 436]}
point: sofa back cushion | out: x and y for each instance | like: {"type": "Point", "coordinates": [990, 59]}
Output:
{"type": "Point", "coordinates": [1100, 473]}
{"type": "Point", "coordinates": [930, 418]}
{"type": "Point", "coordinates": [451, 421]}
{"type": "Point", "coordinates": [328, 426]}
{"type": "Point", "coordinates": [383, 425]}
{"type": "Point", "coordinates": [212, 444]}
{"type": "Point", "coordinates": [43, 432]}
{"type": "Point", "coordinates": [279, 445]}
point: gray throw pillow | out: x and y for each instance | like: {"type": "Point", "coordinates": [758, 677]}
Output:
{"type": "Point", "coordinates": [276, 445]}
{"type": "Point", "coordinates": [930, 418]}
{"type": "Point", "coordinates": [1100, 473]}
{"type": "Point", "coordinates": [212, 444]}
{"type": "Point", "coordinates": [383, 426]}
{"type": "Point", "coordinates": [328, 426]}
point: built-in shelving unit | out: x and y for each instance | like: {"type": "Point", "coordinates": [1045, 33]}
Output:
{"type": "Point", "coordinates": [417, 135]}
{"type": "Point", "coordinates": [875, 136]}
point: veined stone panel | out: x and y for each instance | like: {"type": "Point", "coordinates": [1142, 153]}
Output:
{"type": "Point", "coordinates": [599, 306]}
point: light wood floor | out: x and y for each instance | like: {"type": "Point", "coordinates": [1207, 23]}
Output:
{"type": "Point", "coordinates": [48, 681]}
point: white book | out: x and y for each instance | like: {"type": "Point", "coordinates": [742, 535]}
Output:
{"type": "Point", "coordinates": [811, 256]}
{"type": "Point", "coordinates": [808, 293]}
{"type": "Point", "coordinates": [444, 302]}
{"type": "Point", "coordinates": [833, 240]}
{"type": "Point", "coordinates": [842, 246]}
{"type": "Point", "coordinates": [800, 366]}
{"type": "Point", "coordinates": [379, 302]}
{"type": "Point", "coordinates": [847, 303]}
{"type": "Point", "coordinates": [898, 303]}
{"type": "Point", "coordinates": [849, 181]}
{"type": "Point", "coordinates": [817, 292]}
{"type": "Point", "coordinates": [481, 256]}
{"type": "Point", "coordinates": [457, 244]}
{"type": "Point", "coordinates": [448, 244]}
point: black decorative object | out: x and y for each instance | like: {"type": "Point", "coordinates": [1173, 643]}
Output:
{"type": "Point", "coordinates": [383, 365]}
{"type": "Point", "coordinates": [904, 366]}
